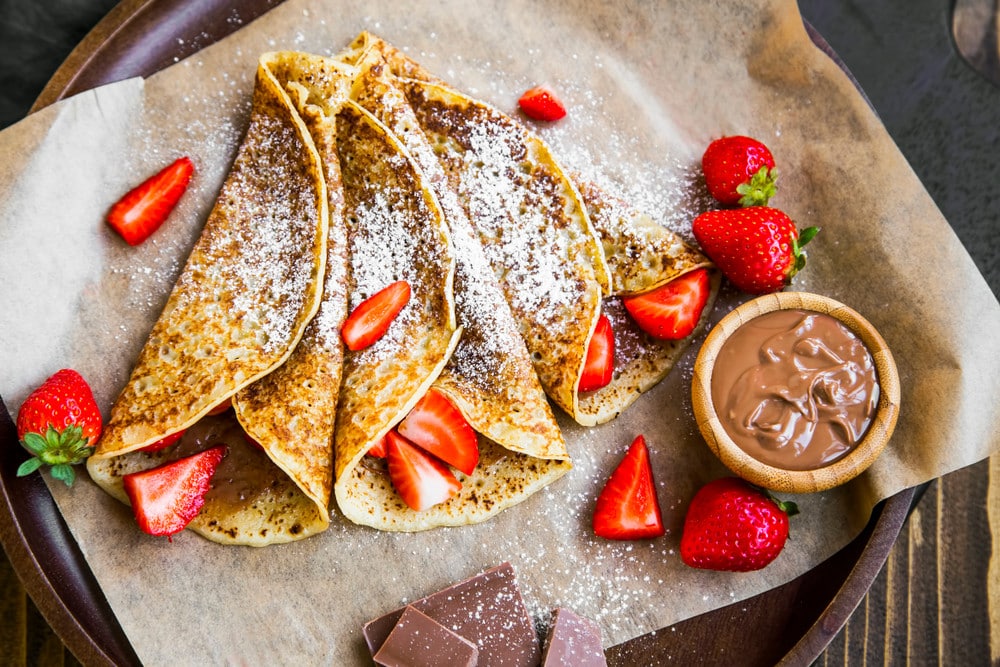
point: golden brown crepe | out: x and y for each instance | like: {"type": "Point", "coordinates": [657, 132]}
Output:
{"type": "Point", "coordinates": [642, 255]}
{"type": "Point", "coordinates": [539, 231]}
{"type": "Point", "coordinates": [252, 283]}
{"type": "Point", "coordinates": [531, 223]}
{"type": "Point", "coordinates": [395, 231]}
{"type": "Point", "coordinates": [489, 377]}
{"type": "Point", "coordinates": [291, 411]}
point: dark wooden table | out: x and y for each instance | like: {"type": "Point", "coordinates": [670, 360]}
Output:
{"type": "Point", "coordinates": [936, 600]}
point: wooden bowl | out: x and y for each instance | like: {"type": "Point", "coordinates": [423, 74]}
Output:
{"type": "Point", "coordinates": [796, 481]}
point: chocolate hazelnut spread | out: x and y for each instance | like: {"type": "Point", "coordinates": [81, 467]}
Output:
{"type": "Point", "coordinates": [795, 389]}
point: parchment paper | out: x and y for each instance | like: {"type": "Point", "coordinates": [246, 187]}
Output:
{"type": "Point", "coordinates": [648, 86]}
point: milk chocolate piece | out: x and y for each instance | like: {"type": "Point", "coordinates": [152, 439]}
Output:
{"type": "Point", "coordinates": [573, 641]}
{"type": "Point", "coordinates": [417, 640]}
{"type": "Point", "coordinates": [487, 610]}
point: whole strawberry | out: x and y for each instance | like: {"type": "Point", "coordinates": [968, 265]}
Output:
{"type": "Point", "coordinates": [739, 170]}
{"type": "Point", "coordinates": [734, 526]}
{"type": "Point", "coordinates": [59, 422]}
{"type": "Point", "coordinates": [758, 249]}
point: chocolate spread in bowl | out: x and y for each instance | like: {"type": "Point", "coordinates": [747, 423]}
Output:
{"type": "Point", "coordinates": [795, 389]}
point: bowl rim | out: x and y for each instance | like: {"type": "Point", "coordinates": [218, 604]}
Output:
{"type": "Point", "coordinates": [779, 479]}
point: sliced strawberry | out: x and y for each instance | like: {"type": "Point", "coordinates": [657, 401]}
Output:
{"type": "Point", "coordinates": [163, 443]}
{"type": "Point", "coordinates": [671, 311]}
{"type": "Point", "coordinates": [437, 426]}
{"type": "Point", "coordinates": [600, 363]}
{"type": "Point", "coordinates": [144, 208]}
{"type": "Point", "coordinates": [627, 508]}
{"type": "Point", "coordinates": [378, 449]}
{"type": "Point", "coordinates": [541, 103]}
{"type": "Point", "coordinates": [165, 499]}
{"type": "Point", "coordinates": [421, 480]}
{"type": "Point", "coordinates": [370, 320]}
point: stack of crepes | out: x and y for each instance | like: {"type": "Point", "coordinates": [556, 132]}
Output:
{"type": "Point", "coordinates": [355, 172]}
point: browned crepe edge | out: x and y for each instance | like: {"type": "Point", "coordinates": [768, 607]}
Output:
{"type": "Point", "coordinates": [147, 434]}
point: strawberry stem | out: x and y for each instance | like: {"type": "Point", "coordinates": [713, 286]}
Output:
{"type": "Point", "coordinates": [759, 189]}
{"type": "Point", "coordinates": [61, 450]}
{"type": "Point", "coordinates": [805, 236]}
{"type": "Point", "coordinates": [787, 506]}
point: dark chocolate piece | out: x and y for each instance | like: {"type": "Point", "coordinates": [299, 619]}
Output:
{"type": "Point", "coordinates": [487, 610]}
{"type": "Point", "coordinates": [417, 640]}
{"type": "Point", "coordinates": [573, 641]}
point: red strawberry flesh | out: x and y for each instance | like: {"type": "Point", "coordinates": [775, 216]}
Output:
{"type": "Point", "coordinates": [421, 480]}
{"type": "Point", "coordinates": [165, 499]}
{"type": "Point", "coordinates": [144, 208]}
{"type": "Point", "coordinates": [437, 426]}
{"type": "Point", "coordinates": [599, 366]}
{"type": "Point", "coordinates": [378, 449]}
{"type": "Point", "coordinates": [627, 507]}
{"type": "Point", "coordinates": [371, 318]}
{"type": "Point", "coordinates": [671, 311]}
{"type": "Point", "coordinates": [164, 442]}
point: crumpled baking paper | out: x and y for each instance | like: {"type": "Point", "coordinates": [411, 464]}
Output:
{"type": "Point", "coordinates": [648, 85]}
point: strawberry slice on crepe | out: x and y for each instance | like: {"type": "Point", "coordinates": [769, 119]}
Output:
{"type": "Point", "coordinates": [671, 311]}
{"type": "Point", "coordinates": [371, 319]}
{"type": "Point", "coordinates": [420, 479]}
{"type": "Point", "coordinates": [436, 425]}
{"type": "Point", "coordinates": [599, 366]}
{"type": "Point", "coordinates": [165, 499]}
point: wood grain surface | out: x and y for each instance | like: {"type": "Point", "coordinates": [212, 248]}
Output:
{"type": "Point", "coordinates": [937, 599]}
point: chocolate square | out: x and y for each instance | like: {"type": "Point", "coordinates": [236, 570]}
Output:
{"type": "Point", "coordinates": [486, 609]}
{"type": "Point", "coordinates": [573, 641]}
{"type": "Point", "coordinates": [417, 640]}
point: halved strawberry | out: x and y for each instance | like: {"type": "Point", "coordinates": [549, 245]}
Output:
{"type": "Point", "coordinates": [437, 426]}
{"type": "Point", "coordinates": [671, 311]}
{"type": "Point", "coordinates": [370, 320]}
{"type": "Point", "coordinates": [165, 499]}
{"type": "Point", "coordinates": [421, 480]}
{"type": "Point", "coordinates": [378, 449]}
{"type": "Point", "coordinates": [627, 508]}
{"type": "Point", "coordinates": [541, 103]}
{"type": "Point", "coordinates": [600, 363]}
{"type": "Point", "coordinates": [144, 208]}
{"type": "Point", "coordinates": [163, 443]}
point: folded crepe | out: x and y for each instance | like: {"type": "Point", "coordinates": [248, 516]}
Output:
{"type": "Point", "coordinates": [540, 232]}
{"type": "Point", "coordinates": [395, 231]}
{"type": "Point", "coordinates": [489, 377]}
{"type": "Point", "coordinates": [528, 216]}
{"type": "Point", "coordinates": [238, 312]}
{"type": "Point", "coordinates": [642, 255]}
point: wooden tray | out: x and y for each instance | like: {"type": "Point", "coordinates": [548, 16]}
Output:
{"type": "Point", "coordinates": [791, 624]}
